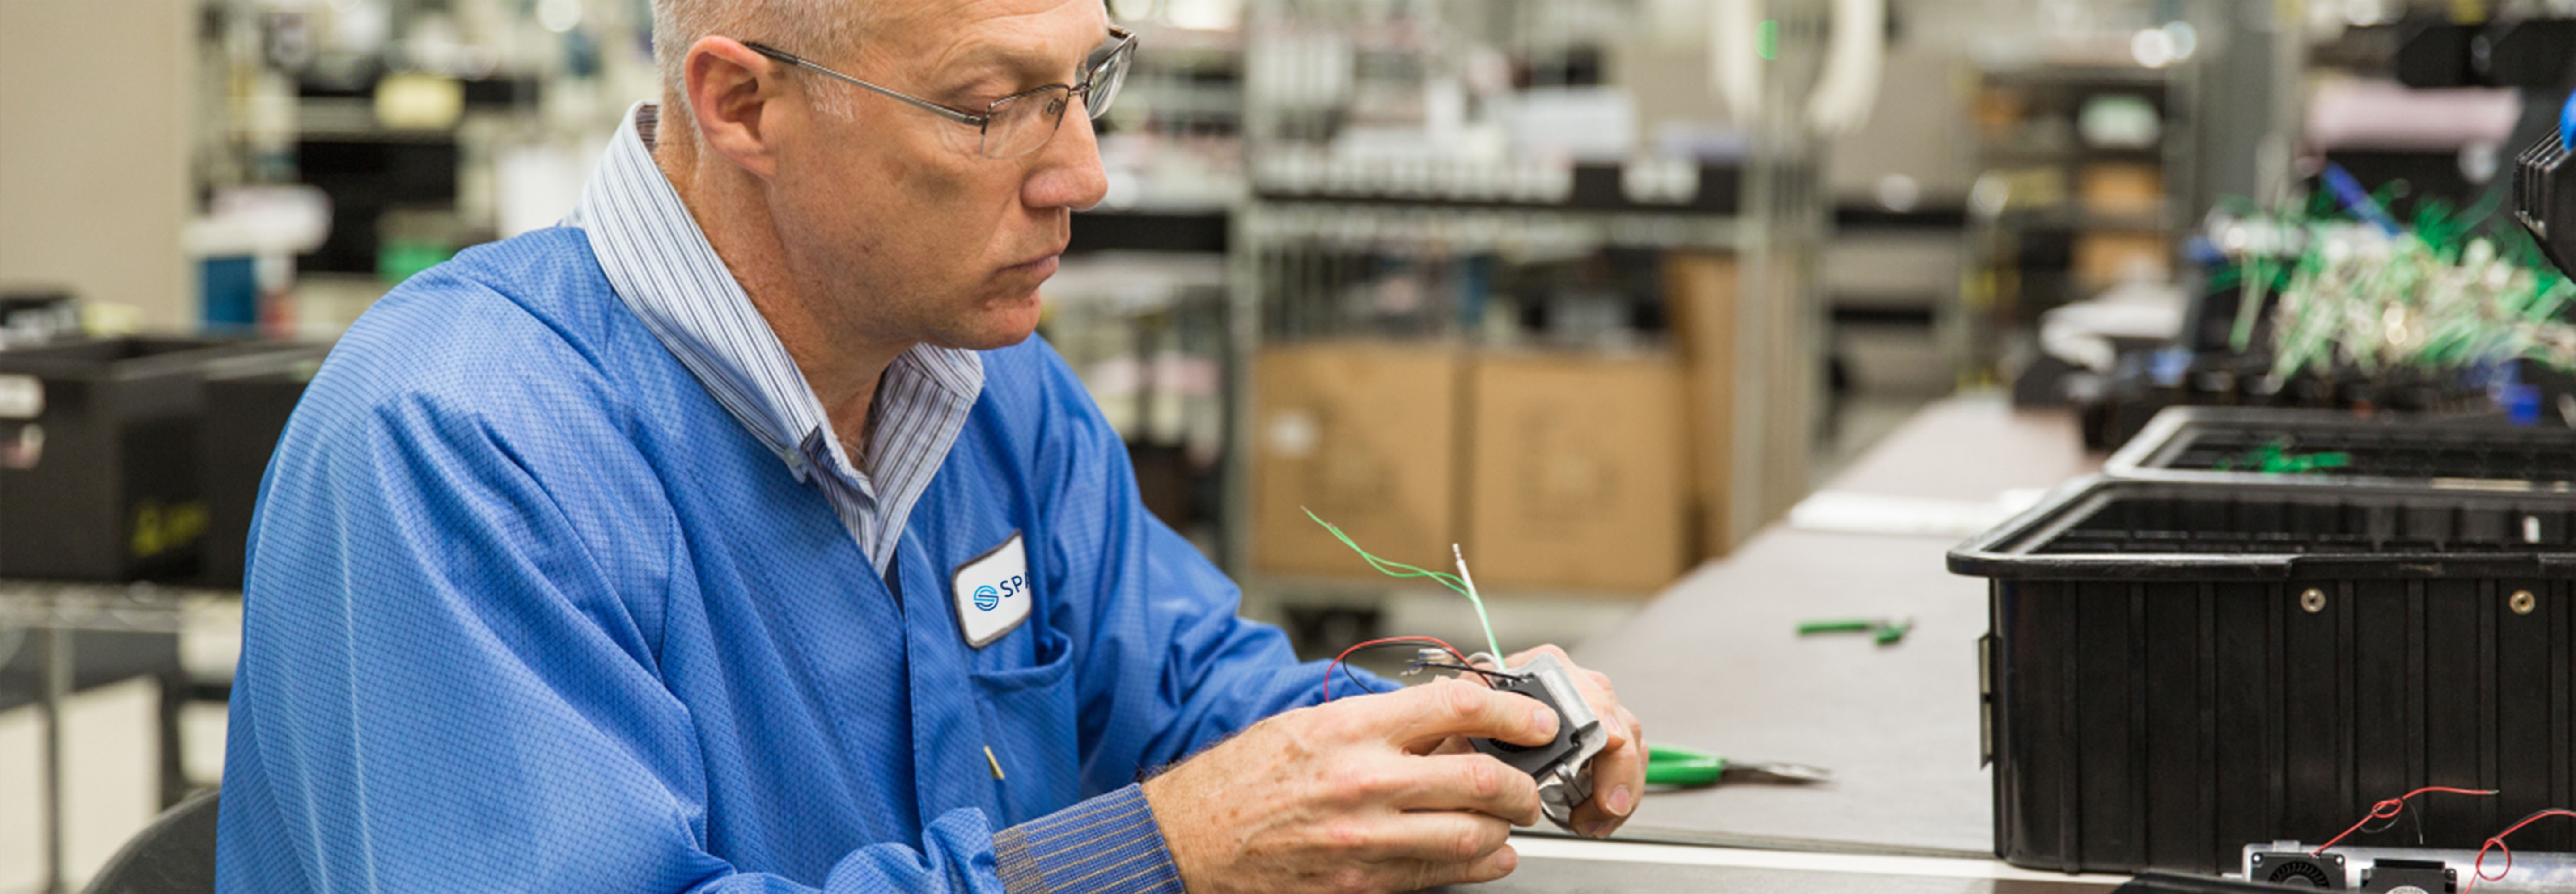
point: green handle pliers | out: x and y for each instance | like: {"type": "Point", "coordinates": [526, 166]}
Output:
{"type": "Point", "coordinates": [1683, 767]}
{"type": "Point", "coordinates": [1886, 630]}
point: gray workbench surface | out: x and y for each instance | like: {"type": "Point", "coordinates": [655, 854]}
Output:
{"type": "Point", "coordinates": [1715, 662]}
{"type": "Point", "coordinates": [1554, 864]}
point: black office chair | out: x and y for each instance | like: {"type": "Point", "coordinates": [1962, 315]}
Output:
{"type": "Point", "coordinates": [174, 855]}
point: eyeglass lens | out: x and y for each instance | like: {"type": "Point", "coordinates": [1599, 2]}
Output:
{"type": "Point", "coordinates": [1019, 125]}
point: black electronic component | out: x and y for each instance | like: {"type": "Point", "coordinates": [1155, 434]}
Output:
{"type": "Point", "coordinates": [2296, 869]}
{"type": "Point", "coordinates": [2395, 876]}
{"type": "Point", "coordinates": [1526, 759]}
{"type": "Point", "coordinates": [1562, 767]}
{"type": "Point", "coordinates": [2541, 204]}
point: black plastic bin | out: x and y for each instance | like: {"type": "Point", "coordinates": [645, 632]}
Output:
{"type": "Point", "coordinates": [2227, 445]}
{"type": "Point", "coordinates": [2176, 670]}
{"type": "Point", "coordinates": [99, 478]}
{"type": "Point", "coordinates": [245, 415]}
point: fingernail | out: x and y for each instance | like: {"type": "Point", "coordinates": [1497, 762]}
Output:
{"type": "Point", "coordinates": [1621, 801]}
{"type": "Point", "coordinates": [1590, 829]}
{"type": "Point", "coordinates": [1544, 718]}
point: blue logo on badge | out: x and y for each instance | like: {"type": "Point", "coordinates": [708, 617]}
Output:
{"type": "Point", "coordinates": [986, 597]}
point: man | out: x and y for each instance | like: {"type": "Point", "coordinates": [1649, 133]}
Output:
{"type": "Point", "coordinates": [737, 535]}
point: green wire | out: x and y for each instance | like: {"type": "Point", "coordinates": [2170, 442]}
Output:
{"type": "Point", "coordinates": [1399, 569]}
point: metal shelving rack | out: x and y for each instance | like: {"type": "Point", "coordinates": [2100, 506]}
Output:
{"type": "Point", "coordinates": [1318, 222]}
{"type": "Point", "coordinates": [48, 613]}
{"type": "Point", "coordinates": [2006, 296]}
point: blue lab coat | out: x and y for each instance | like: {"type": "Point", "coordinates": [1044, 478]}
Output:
{"type": "Point", "coordinates": [528, 609]}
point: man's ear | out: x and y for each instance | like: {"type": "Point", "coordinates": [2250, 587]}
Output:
{"type": "Point", "coordinates": [730, 89]}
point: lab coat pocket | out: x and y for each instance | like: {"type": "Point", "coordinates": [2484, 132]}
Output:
{"type": "Point", "coordinates": [1030, 731]}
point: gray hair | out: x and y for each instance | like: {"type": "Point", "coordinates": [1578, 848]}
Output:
{"type": "Point", "coordinates": [804, 27]}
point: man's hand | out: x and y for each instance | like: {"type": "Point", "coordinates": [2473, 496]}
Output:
{"type": "Point", "coordinates": [1619, 771]}
{"type": "Point", "coordinates": [1350, 795]}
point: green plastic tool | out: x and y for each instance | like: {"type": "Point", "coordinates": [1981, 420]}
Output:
{"type": "Point", "coordinates": [1685, 768]}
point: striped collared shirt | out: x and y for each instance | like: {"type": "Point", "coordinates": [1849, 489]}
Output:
{"type": "Point", "coordinates": [662, 266]}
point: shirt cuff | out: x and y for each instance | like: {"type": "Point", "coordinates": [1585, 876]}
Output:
{"type": "Point", "coordinates": [1108, 843]}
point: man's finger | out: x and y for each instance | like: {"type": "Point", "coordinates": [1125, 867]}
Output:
{"type": "Point", "coordinates": [1427, 714]}
{"type": "Point", "coordinates": [1450, 745]}
{"type": "Point", "coordinates": [1492, 866]}
{"type": "Point", "coordinates": [1618, 777]}
{"type": "Point", "coordinates": [1485, 869]}
{"type": "Point", "coordinates": [1476, 782]}
{"type": "Point", "coordinates": [1619, 772]}
{"type": "Point", "coordinates": [1596, 690]}
{"type": "Point", "coordinates": [1453, 838]}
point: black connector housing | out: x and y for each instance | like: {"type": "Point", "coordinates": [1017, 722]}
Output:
{"type": "Point", "coordinates": [2296, 869]}
{"type": "Point", "coordinates": [2389, 874]}
{"type": "Point", "coordinates": [1532, 761]}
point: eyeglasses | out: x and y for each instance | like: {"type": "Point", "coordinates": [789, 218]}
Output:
{"type": "Point", "coordinates": [1017, 124]}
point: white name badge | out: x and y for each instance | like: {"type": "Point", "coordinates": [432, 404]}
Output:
{"type": "Point", "coordinates": [992, 592]}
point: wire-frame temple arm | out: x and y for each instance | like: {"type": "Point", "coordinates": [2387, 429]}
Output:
{"type": "Point", "coordinates": [962, 117]}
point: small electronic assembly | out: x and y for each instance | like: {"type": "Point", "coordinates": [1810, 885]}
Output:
{"type": "Point", "coordinates": [2494, 866]}
{"type": "Point", "coordinates": [1563, 768]}
{"type": "Point", "coordinates": [2290, 864]}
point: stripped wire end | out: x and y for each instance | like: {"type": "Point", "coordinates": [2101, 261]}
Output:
{"type": "Point", "coordinates": [1479, 602]}
{"type": "Point", "coordinates": [1457, 583]}
{"type": "Point", "coordinates": [1426, 658]}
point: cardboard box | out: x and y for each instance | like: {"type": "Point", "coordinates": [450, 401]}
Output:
{"type": "Point", "coordinates": [1578, 476]}
{"type": "Point", "coordinates": [1364, 434]}
{"type": "Point", "coordinates": [2103, 258]}
{"type": "Point", "coordinates": [2121, 188]}
{"type": "Point", "coordinates": [1699, 299]}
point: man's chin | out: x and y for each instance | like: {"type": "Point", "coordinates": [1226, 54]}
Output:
{"type": "Point", "coordinates": [995, 341]}
{"type": "Point", "coordinates": [998, 325]}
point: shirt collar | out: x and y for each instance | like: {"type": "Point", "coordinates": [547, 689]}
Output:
{"type": "Point", "coordinates": [661, 265]}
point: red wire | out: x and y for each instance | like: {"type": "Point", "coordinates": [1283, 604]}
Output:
{"type": "Point", "coordinates": [2389, 809]}
{"type": "Point", "coordinates": [2496, 841]}
{"type": "Point", "coordinates": [1346, 654]}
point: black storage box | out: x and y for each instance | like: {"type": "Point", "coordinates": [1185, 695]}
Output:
{"type": "Point", "coordinates": [98, 475]}
{"type": "Point", "coordinates": [2176, 670]}
{"type": "Point", "coordinates": [245, 415]}
{"type": "Point", "coordinates": [2228, 445]}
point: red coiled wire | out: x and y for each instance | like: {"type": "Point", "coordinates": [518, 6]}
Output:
{"type": "Point", "coordinates": [2496, 841]}
{"type": "Point", "coordinates": [2388, 809]}
{"type": "Point", "coordinates": [1346, 655]}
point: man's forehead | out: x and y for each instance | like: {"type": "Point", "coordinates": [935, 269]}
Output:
{"type": "Point", "coordinates": [981, 30]}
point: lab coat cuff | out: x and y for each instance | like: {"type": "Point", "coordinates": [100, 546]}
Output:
{"type": "Point", "coordinates": [1108, 843]}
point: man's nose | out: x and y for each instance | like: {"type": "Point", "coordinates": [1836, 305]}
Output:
{"type": "Point", "coordinates": [1068, 172]}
